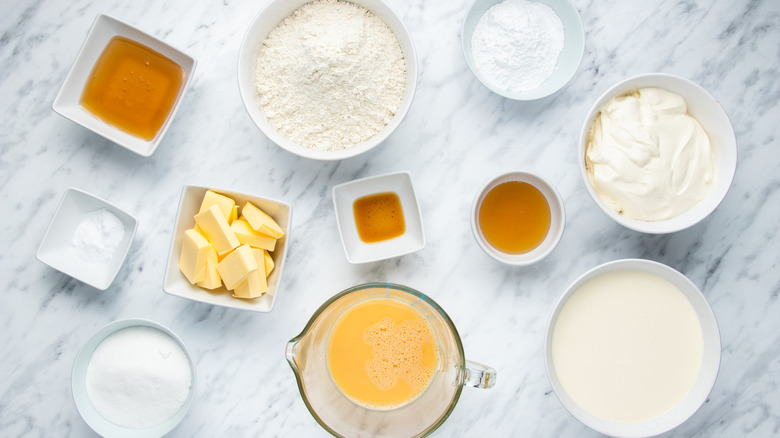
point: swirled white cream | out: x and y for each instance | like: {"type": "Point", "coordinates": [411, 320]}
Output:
{"type": "Point", "coordinates": [647, 157]}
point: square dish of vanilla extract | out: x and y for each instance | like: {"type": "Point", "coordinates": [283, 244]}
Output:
{"type": "Point", "coordinates": [125, 85]}
{"type": "Point", "coordinates": [378, 217]}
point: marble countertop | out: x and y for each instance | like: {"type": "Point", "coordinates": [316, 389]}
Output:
{"type": "Point", "coordinates": [456, 136]}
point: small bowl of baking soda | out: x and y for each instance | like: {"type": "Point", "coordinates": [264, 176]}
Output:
{"type": "Point", "coordinates": [522, 49]}
{"type": "Point", "coordinates": [88, 238]}
{"type": "Point", "coordinates": [133, 378]}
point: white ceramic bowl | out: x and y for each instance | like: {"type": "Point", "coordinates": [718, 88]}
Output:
{"type": "Point", "coordinates": [557, 219]}
{"type": "Point", "coordinates": [57, 251]}
{"type": "Point", "coordinates": [79, 385]}
{"type": "Point", "coordinates": [175, 283]}
{"type": "Point", "coordinates": [357, 251]}
{"type": "Point", "coordinates": [704, 108]}
{"type": "Point", "coordinates": [568, 61]}
{"type": "Point", "coordinates": [67, 101]}
{"type": "Point", "coordinates": [710, 358]}
{"type": "Point", "coordinates": [264, 23]}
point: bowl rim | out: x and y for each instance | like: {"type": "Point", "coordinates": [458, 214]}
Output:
{"type": "Point", "coordinates": [557, 217]}
{"type": "Point", "coordinates": [78, 382]}
{"type": "Point", "coordinates": [74, 82]}
{"type": "Point", "coordinates": [705, 380]}
{"type": "Point", "coordinates": [572, 22]}
{"type": "Point", "coordinates": [173, 276]}
{"type": "Point", "coordinates": [729, 149]}
{"type": "Point", "coordinates": [246, 91]}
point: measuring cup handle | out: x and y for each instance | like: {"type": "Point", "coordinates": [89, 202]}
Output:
{"type": "Point", "coordinates": [479, 376]}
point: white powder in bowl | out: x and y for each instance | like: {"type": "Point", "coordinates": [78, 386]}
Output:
{"type": "Point", "coordinates": [516, 44]}
{"type": "Point", "coordinates": [331, 75]}
{"type": "Point", "coordinates": [98, 235]}
{"type": "Point", "coordinates": [138, 377]}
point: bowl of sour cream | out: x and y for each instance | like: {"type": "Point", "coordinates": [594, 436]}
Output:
{"type": "Point", "coordinates": [633, 348]}
{"type": "Point", "coordinates": [657, 153]}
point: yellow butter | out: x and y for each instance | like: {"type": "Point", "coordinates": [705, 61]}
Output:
{"type": "Point", "coordinates": [237, 266]}
{"type": "Point", "coordinates": [216, 229]}
{"type": "Point", "coordinates": [255, 284]}
{"type": "Point", "coordinates": [269, 263]}
{"type": "Point", "coordinates": [193, 256]}
{"type": "Point", "coordinates": [233, 214]}
{"type": "Point", "coordinates": [212, 279]}
{"type": "Point", "coordinates": [225, 204]}
{"type": "Point", "coordinates": [261, 221]}
{"type": "Point", "coordinates": [247, 235]}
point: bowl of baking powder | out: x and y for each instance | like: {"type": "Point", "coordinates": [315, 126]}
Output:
{"type": "Point", "coordinates": [521, 49]}
{"type": "Point", "coordinates": [133, 378]}
{"type": "Point", "coordinates": [327, 79]}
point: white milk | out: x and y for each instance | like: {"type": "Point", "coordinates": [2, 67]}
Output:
{"type": "Point", "coordinates": [627, 346]}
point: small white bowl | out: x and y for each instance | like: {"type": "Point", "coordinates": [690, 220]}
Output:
{"type": "Point", "coordinates": [264, 23]}
{"type": "Point", "coordinates": [79, 384]}
{"type": "Point", "coordinates": [57, 251]}
{"type": "Point", "coordinates": [704, 108]}
{"type": "Point", "coordinates": [175, 283]}
{"type": "Point", "coordinates": [568, 61]}
{"type": "Point", "coordinates": [557, 219]}
{"type": "Point", "coordinates": [710, 358]}
{"type": "Point", "coordinates": [357, 251]}
{"type": "Point", "coordinates": [67, 101]}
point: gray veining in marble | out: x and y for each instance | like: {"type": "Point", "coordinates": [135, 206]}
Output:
{"type": "Point", "coordinates": [456, 135]}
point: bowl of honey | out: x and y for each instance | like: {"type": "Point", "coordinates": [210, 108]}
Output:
{"type": "Point", "coordinates": [518, 218]}
{"type": "Point", "coordinates": [378, 217]}
{"type": "Point", "coordinates": [125, 85]}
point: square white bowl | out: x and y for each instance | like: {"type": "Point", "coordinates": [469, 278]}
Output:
{"type": "Point", "coordinates": [57, 251]}
{"type": "Point", "coordinates": [176, 283]}
{"type": "Point", "coordinates": [357, 251]}
{"type": "Point", "coordinates": [67, 101]}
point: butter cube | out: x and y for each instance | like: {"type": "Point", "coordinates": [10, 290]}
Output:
{"type": "Point", "coordinates": [247, 235]}
{"type": "Point", "coordinates": [237, 266]}
{"type": "Point", "coordinates": [216, 229]}
{"type": "Point", "coordinates": [269, 263]}
{"type": "Point", "coordinates": [224, 203]}
{"type": "Point", "coordinates": [212, 280]}
{"type": "Point", "coordinates": [193, 256]}
{"type": "Point", "coordinates": [233, 214]}
{"type": "Point", "coordinates": [255, 284]}
{"type": "Point", "coordinates": [261, 221]}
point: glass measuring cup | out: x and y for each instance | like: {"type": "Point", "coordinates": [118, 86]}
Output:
{"type": "Point", "coordinates": [307, 355]}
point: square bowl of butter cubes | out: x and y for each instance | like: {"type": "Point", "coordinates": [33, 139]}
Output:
{"type": "Point", "coordinates": [228, 248]}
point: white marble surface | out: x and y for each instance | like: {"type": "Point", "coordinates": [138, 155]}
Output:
{"type": "Point", "coordinates": [456, 135]}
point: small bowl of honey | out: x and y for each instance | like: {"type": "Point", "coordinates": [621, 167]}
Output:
{"type": "Point", "coordinates": [378, 217]}
{"type": "Point", "coordinates": [125, 85]}
{"type": "Point", "coordinates": [518, 218]}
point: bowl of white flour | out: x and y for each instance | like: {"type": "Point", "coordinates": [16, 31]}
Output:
{"type": "Point", "coordinates": [327, 79]}
{"type": "Point", "coordinates": [523, 49]}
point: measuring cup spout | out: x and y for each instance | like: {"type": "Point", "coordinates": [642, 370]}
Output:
{"type": "Point", "coordinates": [291, 353]}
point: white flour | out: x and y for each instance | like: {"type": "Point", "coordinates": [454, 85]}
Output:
{"type": "Point", "coordinates": [331, 75]}
{"type": "Point", "coordinates": [98, 235]}
{"type": "Point", "coordinates": [138, 377]}
{"type": "Point", "coordinates": [516, 44]}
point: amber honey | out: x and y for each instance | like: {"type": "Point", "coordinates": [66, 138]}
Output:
{"type": "Point", "coordinates": [379, 217]}
{"type": "Point", "coordinates": [514, 217]}
{"type": "Point", "coordinates": [132, 87]}
{"type": "Point", "coordinates": [382, 353]}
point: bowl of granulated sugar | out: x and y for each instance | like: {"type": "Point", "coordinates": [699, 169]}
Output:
{"type": "Point", "coordinates": [522, 49]}
{"type": "Point", "coordinates": [133, 378]}
{"type": "Point", "coordinates": [327, 79]}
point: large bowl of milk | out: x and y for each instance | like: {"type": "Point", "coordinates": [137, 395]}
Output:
{"type": "Point", "coordinates": [633, 348]}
